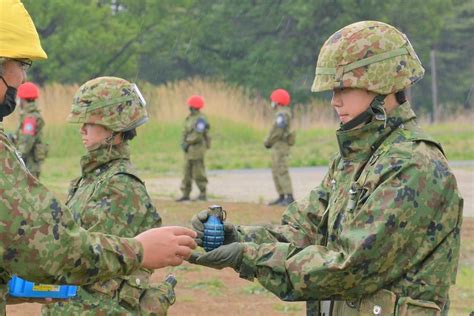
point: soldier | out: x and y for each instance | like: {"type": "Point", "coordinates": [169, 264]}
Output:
{"type": "Point", "coordinates": [381, 234]}
{"type": "Point", "coordinates": [29, 134]}
{"type": "Point", "coordinates": [195, 142]}
{"type": "Point", "coordinates": [109, 114]}
{"type": "Point", "coordinates": [280, 139]}
{"type": "Point", "coordinates": [39, 239]}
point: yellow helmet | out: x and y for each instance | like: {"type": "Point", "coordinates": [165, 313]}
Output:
{"type": "Point", "coordinates": [18, 36]}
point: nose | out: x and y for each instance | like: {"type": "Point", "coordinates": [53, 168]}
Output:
{"type": "Point", "coordinates": [336, 99]}
{"type": "Point", "coordinates": [83, 130]}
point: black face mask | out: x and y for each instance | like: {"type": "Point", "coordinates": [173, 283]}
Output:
{"type": "Point", "coordinates": [8, 106]}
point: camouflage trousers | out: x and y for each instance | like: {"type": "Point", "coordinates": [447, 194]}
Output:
{"type": "Point", "coordinates": [194, 169]}
{"type": "Point", "coordinates": [280, 172]}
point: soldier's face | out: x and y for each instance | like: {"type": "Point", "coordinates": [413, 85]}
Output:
{"type": "Point", "coordinates": [93, 135]}
{"type": "Point", "coordinates": [349, 103]}
{"type": "Point", "coordinates": [14, 75]}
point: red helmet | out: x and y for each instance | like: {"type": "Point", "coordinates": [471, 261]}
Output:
{"type": "Point", "coordinates": [28, 91]}
{"type": "Point", "coordinates": [196, 102]}
{"type": "Point", "coordinates": [281, 97]}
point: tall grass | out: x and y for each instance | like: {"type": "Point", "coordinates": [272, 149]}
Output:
{"type": "Point", "coordinates": [167, 103]}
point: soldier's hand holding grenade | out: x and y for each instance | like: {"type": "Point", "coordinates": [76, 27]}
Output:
{"type": "Point", "coordinates": [230, 231]}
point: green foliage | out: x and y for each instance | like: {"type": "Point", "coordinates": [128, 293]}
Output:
{"type": "Point", "coordinates": [258, 44]}
{"type": "Point", "coordinates": [255, 289]}
{"type": "Point", "coordinates": [156, 149]}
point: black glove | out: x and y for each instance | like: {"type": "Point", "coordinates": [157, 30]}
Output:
{"type": "Point", "coordinates": [227, 256]}
{"type": "Point", "coordinates": [230, 232]}
{"type": "Point", "coordinates": [267, 146]}
{"type": "Point", "coordinates": [185, 147]}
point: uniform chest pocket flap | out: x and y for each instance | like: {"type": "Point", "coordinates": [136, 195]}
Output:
{"type": "Point", "coordinates": [406, 306]}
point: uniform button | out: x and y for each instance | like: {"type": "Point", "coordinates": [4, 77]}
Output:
{"type": "Point", "coordinates": [377, 310]}
{"type": "Point", "coordinates": [137, 280]}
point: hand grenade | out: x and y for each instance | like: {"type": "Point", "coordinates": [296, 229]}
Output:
{"type": "Point", "coordinates": [214, 228]}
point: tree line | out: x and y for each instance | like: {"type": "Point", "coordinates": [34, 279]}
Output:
{"type": "Point", "coordinates": [257, 44]}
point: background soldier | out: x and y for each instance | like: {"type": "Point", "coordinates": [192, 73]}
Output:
{"type": "Point", "coordinates": [196, 141]}
{"type": "Point", "coordinates": [40, 240]}
{"type": "Point", "coordinates": [110, 109]}
{"type": "Point", "coordinates": [280, 139]}
{"type": "Point", "coordinates": [29, 134]}
{"type": "Point", "coordinates": [381, 234]}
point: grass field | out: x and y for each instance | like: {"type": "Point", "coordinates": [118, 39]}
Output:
{"type": "Point", "coordinates": [239, 123]}
{"type": "Point", "coordinates": [235, 145]}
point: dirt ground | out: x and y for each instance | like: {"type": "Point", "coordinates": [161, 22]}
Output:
{"type": "Point", "coordinates": [202, 291]}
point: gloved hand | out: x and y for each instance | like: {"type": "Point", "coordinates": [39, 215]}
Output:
{"type": "Point", "coordinates": [185, 147]}
{"type": "Point", "coordinates": [222, 257]}
{"type": "Point", "coordinates": [230, 232]}
{"type": "Point", "coordinates": [267, 146]}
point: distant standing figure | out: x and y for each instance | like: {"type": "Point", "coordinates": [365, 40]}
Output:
{"type": "Point", "coordinates": [280, 139]}
{"type": "Point", "coordinates": [29, 135]}
{"type": "Point", "coordinates": [195, 142]}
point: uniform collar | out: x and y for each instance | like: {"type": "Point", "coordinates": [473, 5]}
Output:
{"type": "Point", "coordinates": [358, 144]}
{"type": "Point", "coordinates": [96, 160]}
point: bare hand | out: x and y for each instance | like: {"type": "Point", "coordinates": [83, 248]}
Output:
{"type": "Point", "coordinates": [166, 246]}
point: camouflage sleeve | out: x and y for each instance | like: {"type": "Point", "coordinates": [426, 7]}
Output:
{"type": "Point", "coordinates": [42, 243]}
{"type": "Point", "coordinates": [302, 222]}
{"type": "Point", "coordinates": [399, 225]}
{"type": "Point", "coordinates": [122, 207]}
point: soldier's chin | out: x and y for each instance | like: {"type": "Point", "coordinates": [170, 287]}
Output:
{"type": "Point", "coordinates": [344, 119]}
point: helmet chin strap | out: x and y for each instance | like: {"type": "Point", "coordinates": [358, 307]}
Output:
{"type": "Point", "coordinates": [375, 107]}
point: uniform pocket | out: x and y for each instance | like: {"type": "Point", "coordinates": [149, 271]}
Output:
{"type": "Point", "coordinates": [133, 288]}
{"type": "Point", "coordinates": [406, 306]}
{"type": "Point", "coordinates": [380, 303]}
{"type": "Point", "coordinates": [157, 299]}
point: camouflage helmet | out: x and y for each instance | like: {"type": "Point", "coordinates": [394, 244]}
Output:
{"type": "Point", "coordinates": [368, 55]}
{"type": "Point", "coordinates": [111, 102]}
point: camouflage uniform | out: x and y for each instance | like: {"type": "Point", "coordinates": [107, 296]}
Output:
{"type": "Point", "coordinates": [110, 198]}
{"type": "Point", "coordinates": [381, 225]}
{"type": "Point", "coordinates": [29, 138]}
{"type": "Point", "coordinates": [381, 234]}
{"type": "Point", "coordinates": [40, 240]}
{"type": "Point", "coordinates": [279, 140]}
{"type": "Point", "coordinates": [195, 142]}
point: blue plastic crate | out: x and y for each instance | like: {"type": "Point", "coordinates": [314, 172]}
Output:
{"type": "Point", "coordinates": [22, 288]}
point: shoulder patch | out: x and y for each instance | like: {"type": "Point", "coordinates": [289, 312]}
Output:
{"type": "Point", "coordinates": [201, 125]}
{"type": "Point", "coordinates": [281, 121]}
{"type": "Point", "coordinates": [29, 126]}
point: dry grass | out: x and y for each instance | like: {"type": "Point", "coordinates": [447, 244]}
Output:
{"type": "Point", "coordinates": [166, 103]}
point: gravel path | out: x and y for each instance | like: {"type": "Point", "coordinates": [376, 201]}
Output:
{"type": "Point", "coordinates": [256, 185]}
